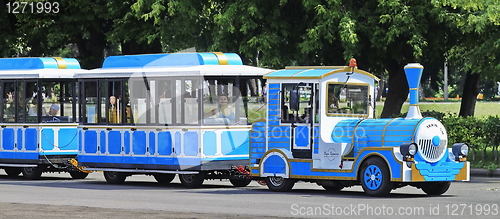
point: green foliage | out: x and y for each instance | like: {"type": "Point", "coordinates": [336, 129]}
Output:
{"type": "Point", "coordinates": [492, 130]}
{"type": "Point", "coordinates": [481, 134]}
{"type": "Point", "coordinates": [467, 130]}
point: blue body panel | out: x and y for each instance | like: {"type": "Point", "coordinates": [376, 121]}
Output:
{"type": "Point", "coordinates": [375, 132]}
{"type": "Point", "coordinates": [22, 143]}
{"type": "Point", "coordinates": [175, 149]}
{"type": "Point", "coordinates": [443, 170]}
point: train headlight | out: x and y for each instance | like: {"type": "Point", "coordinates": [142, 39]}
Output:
{"type": "Point", "coordinates": [464, 149]}
{"type": "Point", "coordinates": [412, 149]}
{"type": "Point", "coordinates": [460, 150]}
{"type": "Point", "coordinates": [408, 150]}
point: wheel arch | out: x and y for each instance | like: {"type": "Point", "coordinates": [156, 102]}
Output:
{"type": "Point", "coordinates": [285, 155]}
{"type": "Point", "coordinates": [367, 157]}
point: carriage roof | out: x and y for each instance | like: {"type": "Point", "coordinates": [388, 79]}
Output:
{"type": "Point", "coordinates": [39, 67]}
{"type": "Point", "coordinates": [175, 64]}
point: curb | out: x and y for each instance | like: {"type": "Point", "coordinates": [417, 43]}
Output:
{"type": "Point", "coordinates": [484, 172]}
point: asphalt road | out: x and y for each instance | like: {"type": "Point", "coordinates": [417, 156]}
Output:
{"type": "Point", "coordinates": [58, 196]}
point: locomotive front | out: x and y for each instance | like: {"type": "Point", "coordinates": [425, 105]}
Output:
{"type": "Point", "coordinates": [418, 146]}
{"type": "Point", "coordinates": [429, 157]}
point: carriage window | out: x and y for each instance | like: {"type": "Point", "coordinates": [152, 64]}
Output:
{"type": "Point", "coordinates": [56, 101]}
{"type": "Point", "coordinates": [103, 100]}
{"type": "Point", "coordinates": [253, 100]}
{"type": "Point", "coordinates": [347, 99]}
{"type": "Point", "coordinates": [191, 87]}
{"type": "Point", "coordinates": [221, 98]}
{"type": "Point", "coordinates": [187, 101]}
{"type": "Point", "coordinates": [32, 102]}
{"type": "Point", "coordinates": [139, 101]}
{"type": "Point", "coordinates": [126, 103]}
{"type": "Point", "coordinates": [10, 101]}
{"type": "Point", "coordinates": [90, 94]}
{"type": "Point", "coordinates": [65, 99]}
{"type": "Point", "coordinates": [165, 100]}
{"type": "Point", "coordinates": [114, 102]}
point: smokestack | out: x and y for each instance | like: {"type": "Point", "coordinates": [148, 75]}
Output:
{"type": "Point", "coordinates": [413, 74]}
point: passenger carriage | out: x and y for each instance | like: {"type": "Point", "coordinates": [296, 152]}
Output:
{"type": "Point", "coordinates": [159, 121]}
{"type": "Point", "coordinates": [33, 137]}
{"type": "Point", "coordinates": [320, 128]}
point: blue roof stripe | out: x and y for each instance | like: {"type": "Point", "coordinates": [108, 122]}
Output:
{"type": "Point", "coordinates": [285, 73]}
{"type": "Point", "coordinates": [36, 63]}
{"type": "Point", "coordinates": [72, 63]}
{"type": "Point", "coordinates": [313, 73]}
{"type": "Point", "coordinates": [172, 59]}
{"type": "Point", "coordinates": [207, 59]}
{"type": "Point", "coordinates": [233, 59]}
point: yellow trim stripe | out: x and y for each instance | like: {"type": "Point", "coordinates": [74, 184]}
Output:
{"type": "Point", "coordinates": [61, 63]}
{"type": "Point", "coordinates": [222, 58]}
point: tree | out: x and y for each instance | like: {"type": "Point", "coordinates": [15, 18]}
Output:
{"type": "Point", "coordinates": [384, 36]}
{"type": "Point", "coordinates": [476, 48]}
{"type": "Point", "coordinates": [8, 37]}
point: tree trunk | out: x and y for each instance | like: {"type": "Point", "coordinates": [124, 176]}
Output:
{"type": "Point", "coordinates": [495, 154]}
{"type": "Point", "coordinates": [91, 50]}
{"type": "Point", "coordinates": [398, 90]}
{"type": "Point", "coordinates": [484, 157]}
{"type": "Point", "coordinates": [469, 95]}
{"type": "Point", "coordinates": [473, 152]}
{"type": "Point", "coordinates": [381, 87]}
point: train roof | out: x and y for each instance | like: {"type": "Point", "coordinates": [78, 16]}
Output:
{"type": "Point", "coordinates": [313, 72]}
{"type": "Point", "coordinates": [174, 64]}
{"type": "Point", "coordinates": [33, 63]}
{"type": "Point", "coordinates": [38, 67]}
{"type": "Point", "coordinates": [196, 70]}
{"type": "Point", "coordinates": [171, 59]}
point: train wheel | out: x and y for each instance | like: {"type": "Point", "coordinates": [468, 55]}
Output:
{"type": "Point", "coordinates": [375, 178]}
{"type": "Point", "coordinates": [114, 177]}
{"type": "Point", "coordinates": [279, 184]}
{"type": "Point", "coordinates": [78, 175]}
{"type": "Point", "coordinates": [436, 188]}
{"type": "Point", "coordinates": [164, 178]}
{"type": "Point", "coordinates": [333, 188]}
{"type": "Point", "coordinates": [240, 182]}
{"type": "Point", "coordinates": [13, 171]}
{"type": "Point", "coordinates": [32, 172]}
{"type": "Point", "coordinates": [192, 180]}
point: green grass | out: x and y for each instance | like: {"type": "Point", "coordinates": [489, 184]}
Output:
{"type": "Point", "coordinates": [483, 109]}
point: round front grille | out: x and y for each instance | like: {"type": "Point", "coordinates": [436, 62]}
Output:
{"type": "Point", "coordinates": [432, 140]}
{"type": "Point", "coordinates": [430, 152]}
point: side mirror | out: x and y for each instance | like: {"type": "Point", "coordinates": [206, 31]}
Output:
{"type": "Point", "coordinates": [294, 100]}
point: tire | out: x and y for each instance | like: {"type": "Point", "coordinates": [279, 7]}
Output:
{"type": "Point", "coordinates": [333, 188]}
{"type": "Point", "coordinates": [32, 172]}
{"type": "Point", "coordinates": [436, 188]}
{"type": "Point", "coordinates": [164, 178]}
{"type": "Point", "coordinates": [279, 184]}
{"type": "Point", "coordinates": [114, 177]}
{"type": "Point", "coordinates": [240, 182]}
{"type": "Point", "coordinates": [375, 178]}
{"type": "Point", "coordinates": [13, 171]}
{"type": "Point", "coordinates": [78, 175]}
{"type": "Point", "coordinates": [192, 180]}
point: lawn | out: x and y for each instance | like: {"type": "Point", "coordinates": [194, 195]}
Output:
{"type": "Point", "coordinates": [482, 108]}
